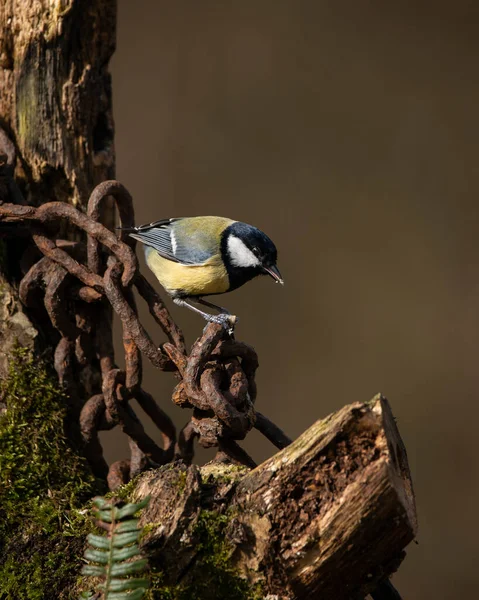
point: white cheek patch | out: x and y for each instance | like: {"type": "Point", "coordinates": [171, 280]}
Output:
{"type": "Point", "coordinates": [239, 254]}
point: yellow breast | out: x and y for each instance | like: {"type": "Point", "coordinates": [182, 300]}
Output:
{"type": "Point", "coordinates": [210, 277]}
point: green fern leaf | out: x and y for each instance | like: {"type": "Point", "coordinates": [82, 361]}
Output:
{"type": "Point", "coordinates": [93, 571]}
{"type": "Point", "coordinates": [120, 540]}
{"type": "Point", "coordinates": [124, 553]}
{"type": "Point", "coordinates": [124, 569]}
{"type": "Point", "coordinates": [97, 556]}
{"type": "Point", "coordinates": [100, 502]}
{"type": "Point", "coordinates": [130, 525]}
{"type": "Point", "coordinates": [104, 515]}
{"type": "Point", "coordinates": [98, 541]}
{"type": "Point", "coordinates": [111, 551]}
{"type": "Point", "coordinates": [130, 509]}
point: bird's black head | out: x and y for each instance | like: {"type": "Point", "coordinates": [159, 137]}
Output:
{"type": "Point", "coordinates": [248, 252]}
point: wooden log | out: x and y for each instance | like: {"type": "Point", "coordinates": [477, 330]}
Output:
{"type": "Point", "coordinates": [327, 517]}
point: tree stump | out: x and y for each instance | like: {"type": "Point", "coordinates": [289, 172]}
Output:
{"type": "Point", "coordinates": [327, 517]}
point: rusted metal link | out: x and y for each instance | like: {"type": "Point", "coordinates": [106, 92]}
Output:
{"type": "Point", "coordinates": [83, 285]}
{"type": "Point", "coordinates": [63, 362]}
{"type": "Point", "coordinates": [14, 213]}
{"type": "Point", "coordinates": [87, 294]}
{"type": "Point", "coordinates": [124, 204]}
{"type": "Point", "coordinates": [179, 396]}
{"type": "Point", "coordinates": [49, 248]}
{"type": "Point", "coordinates": [83, 349]}
{"type": "Point", "coordinates": [237, 423]}
{"type": "Point", "coordinates": [238, 392]}
{"type": "Point", "coordinates": [130, 319]}
{"type": "Point", "coordinates": [228, 395]}
{"type": "Point", "coordinates": [54, 211]}
{"type": "Point", "coordinates": [138, 461]}
{"type": "Point", "coordinates": [34, 279]}
{"type": "Point", "coordinates": [160, 313]}
{"type": "Point", "coordinates": [115, 395]}
{"type": "Point", "coordinates": [201, 352]}
{"type": "Point", "coordinates": [55, 303]}
{"type": "Point", "coordinates": [111, 382]}
{"type": "Point", "coordinates": [178, 358]}
{"type": "Point", "coordinates": [235, 453]}
{"type": "Point", "coordinates": [199, 355]}
{"type": "Point", "coordinates": [91, 417]}
{"type": "Point", "coordinates": [118, 474]}
{"type": "Point", "coordinates": [202, 388]}
{"type": "Point", "coordinates": [133, 361]}
{"type": "Point", "coordinates": [271, 431]}
{"type": "Point", "coordinates": [104, 338]}
{"type": "Point", "coordinates": [249, 360]}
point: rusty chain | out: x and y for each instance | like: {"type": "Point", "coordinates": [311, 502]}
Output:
{"type": "Point", "coordinates": [79, 286]}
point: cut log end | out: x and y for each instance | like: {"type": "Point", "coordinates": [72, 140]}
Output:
{"type": "Point", "coordinates": [327, 517]}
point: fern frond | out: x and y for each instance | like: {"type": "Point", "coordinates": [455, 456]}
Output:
{"type": "Point", "coordinates": [115, 557]}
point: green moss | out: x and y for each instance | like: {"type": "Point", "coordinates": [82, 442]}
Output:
{"type": "Point", "coordinates": [222, 473]}
{"type": "Point", "coordinates": [212, 577]}
{"type": "Point", "coordinates": [124, 492]}
{"type": "Point", "coordinates": [181, 482]}
{"type": "Point", "coordinates": [43, 485]}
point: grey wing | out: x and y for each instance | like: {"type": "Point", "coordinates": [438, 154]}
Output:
{"type": "Point", "coordinates": [157, 235]}
{"type": "Point", "coordinates": [173, 246]}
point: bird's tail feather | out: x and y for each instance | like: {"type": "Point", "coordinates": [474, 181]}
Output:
{"type": "Point", "coordinates": [127, 229]}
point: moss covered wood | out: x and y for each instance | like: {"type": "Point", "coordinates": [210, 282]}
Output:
{"type": "Point", "coordinates": [44, 487]}
{"type": "Point", "coordinates": [327, 517]}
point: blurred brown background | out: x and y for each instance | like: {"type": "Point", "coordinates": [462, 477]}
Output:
{"type": "Point", "coordinates": [348, 131]}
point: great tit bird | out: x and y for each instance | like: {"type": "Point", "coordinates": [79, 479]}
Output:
{"type": "Point", "coordinates": [194, 257]}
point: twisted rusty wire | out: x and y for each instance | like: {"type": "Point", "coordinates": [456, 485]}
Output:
{"type": "Point", "coordinates": [81, 286]}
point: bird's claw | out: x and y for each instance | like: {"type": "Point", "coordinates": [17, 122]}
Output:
{"type": "Point", "coordinates": [228, 321]}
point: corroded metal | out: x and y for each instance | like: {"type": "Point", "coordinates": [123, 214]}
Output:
{"type": "Point", "coordinates": [80, 286]}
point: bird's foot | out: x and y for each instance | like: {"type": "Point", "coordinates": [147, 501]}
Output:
{"type": "Point", "coordinates": [228, 321]}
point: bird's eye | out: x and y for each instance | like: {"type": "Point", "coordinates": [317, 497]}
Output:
{"type": "Point", "coordinates": [255, 250]}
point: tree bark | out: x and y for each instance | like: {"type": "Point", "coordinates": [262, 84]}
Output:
{"type": "Point", "coordinates": [55, 94]}
{"type": "Point", "coordinates": [56, 109]}
{"type": "Point", "coordinates": [328, 517]}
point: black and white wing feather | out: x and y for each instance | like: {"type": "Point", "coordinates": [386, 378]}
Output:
{"type": "Point", "coordinates": [158, 235]}
{"type": "Point", "coordinates": [175, 240]}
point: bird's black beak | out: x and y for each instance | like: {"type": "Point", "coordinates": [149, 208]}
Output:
{"type": "Point", "coordinates": [275, 274]}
